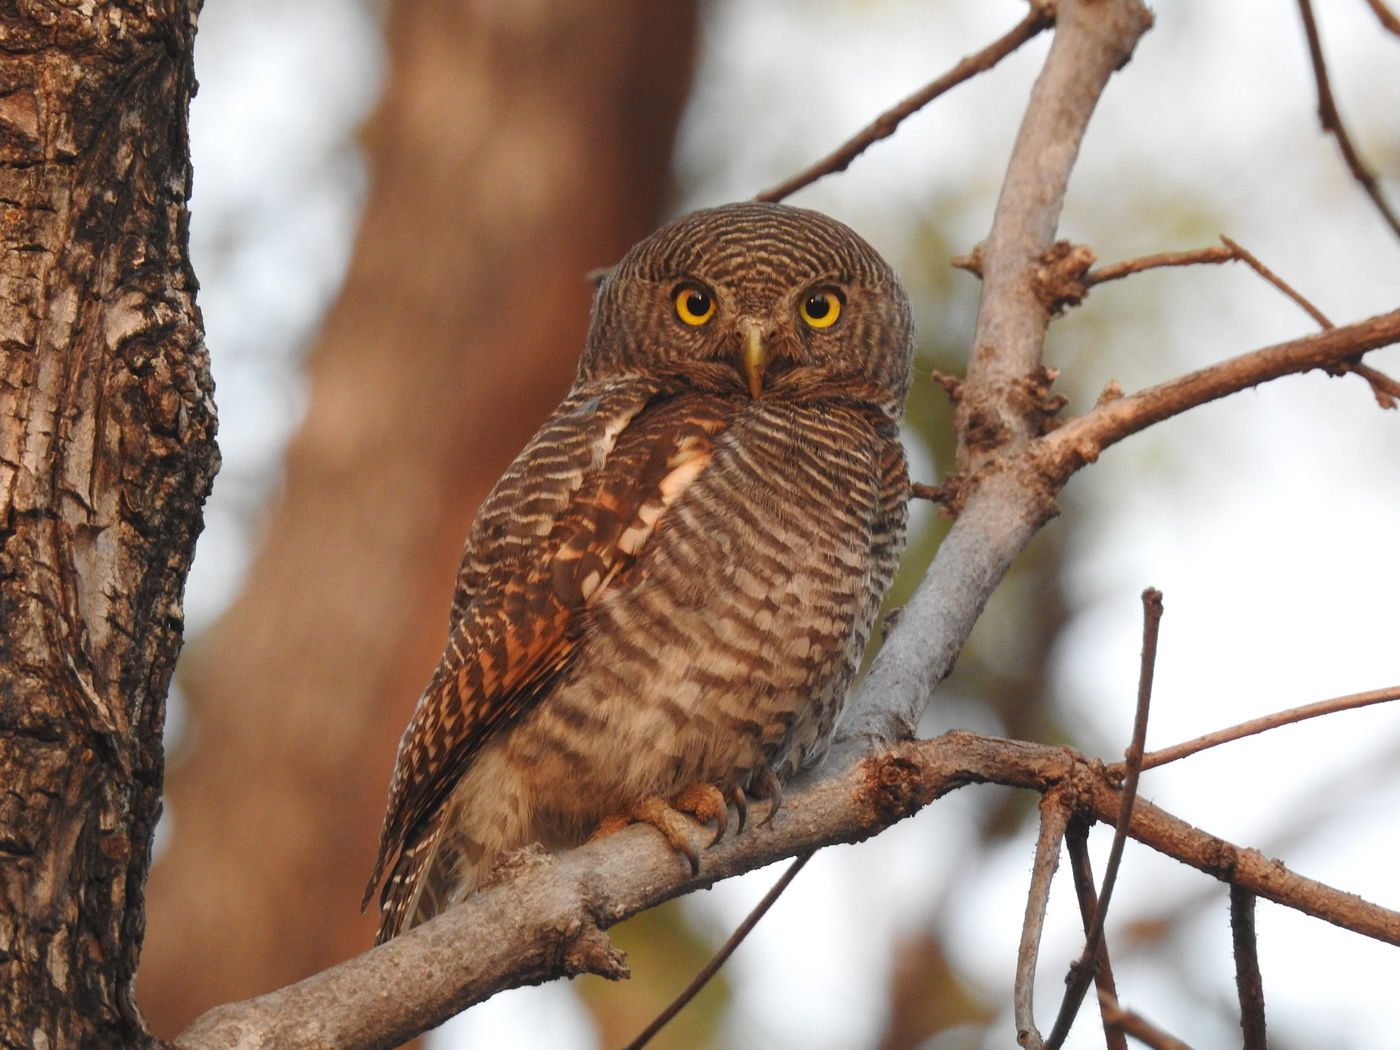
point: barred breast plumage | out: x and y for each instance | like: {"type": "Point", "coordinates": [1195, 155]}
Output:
{"type": "Point", "coordinates": [664, 599]}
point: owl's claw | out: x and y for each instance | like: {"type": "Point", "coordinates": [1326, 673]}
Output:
{"type": "Point", "coordinates": [705, 803]}
{"type": "Point", "coordinates": [770, 787]}
{"type": "Point", "coordinates": [740, 801]}
{"type": "Point", "coordinates": [664, 817]}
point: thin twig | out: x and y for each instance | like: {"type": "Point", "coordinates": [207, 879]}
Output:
{"type": "Point", "coordinates": [1138, 1027]}
{"type": "Point", "coordinates": [1080, 440]}
{"type": "Point", "coordinates": [1054, 818]}
{"type": "Point", "coordinates": [1039, 19]}
{"type": "Point", "coordinates": [1385, 390]}
{"type": "Point", "coordinates": [1278, 282]}
{"type": "Point", "coordinates": [1388, 19]}
{"type": "Point", "coordinates": [1194, 257]}
{"type": "Point", "coordinates": [1331, 119]}
{"type": "Point", "coordinates": [1077, 841]}
{"type": "Point", "coordinates": [1077, 983]}
{"type": "Point", "coordinates": [720, 957]}
{"type": "Point", "coordinates": [1248, 982]}
{"type": "Point", "coordinates": [1267, 722]}
{"type": "Point", "coordinates": [1229, 250]}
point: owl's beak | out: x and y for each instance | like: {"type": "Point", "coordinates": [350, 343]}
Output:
{"type": "Point", "coordinates": [754, 354]}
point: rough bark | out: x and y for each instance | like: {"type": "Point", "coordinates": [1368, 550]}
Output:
{"type": "Point", "coordinates": [106, 454]}
{"type": "Point", "coordinates": [517, 147]}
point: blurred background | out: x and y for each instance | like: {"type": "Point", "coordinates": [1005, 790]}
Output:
{"type": "Point", "coordinates": [395, 207]}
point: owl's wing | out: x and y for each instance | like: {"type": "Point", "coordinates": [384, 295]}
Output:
{"type": "Point", "coordinates": [570, 514]}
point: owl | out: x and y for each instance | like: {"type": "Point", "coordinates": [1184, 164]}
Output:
{"type": "Point", "coordinates": [663, 601]}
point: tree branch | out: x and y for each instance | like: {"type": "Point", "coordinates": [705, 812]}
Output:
{"type": "Point", "coordinates": [1387, 17]}
{"type": "Point", "coordinates": [1080, 440]}
{"type": "Point", "coordinates": [1265, 723]}
{"type": "Point", "coordinates": [1129, 1023]}
{"type": "Point", "coordinates": [1216, 253]}
{"type": "Point", "coordinates": [543, 919]}
{"type": "Point", "coordinates": [1331, 119]}
{"type": "Point", "coordinates": [720, 957]}
{"type": "Point", "coordinates": [1055, 814]}
{"type": "Point", "coordinates": [1248, 982]}
{"type": "Point", "coordinates": [1039, 18]}
{"type": "Point", "coordinates": [1077, 842]}
{"type": "Point", "coordinates": [1092, 40]}
{"type": "Point", "coordinates": [1082, 970]}
{"type": "Point", "coordinates": [999, 517]}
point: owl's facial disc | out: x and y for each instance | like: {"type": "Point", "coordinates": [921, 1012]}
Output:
{"type": "Point", "coordinates": [754, 353]}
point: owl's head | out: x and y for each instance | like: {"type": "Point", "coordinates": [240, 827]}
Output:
{"type": "Point", "coordinates": [754, 298]}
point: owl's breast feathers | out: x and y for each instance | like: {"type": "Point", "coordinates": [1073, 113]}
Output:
{"type": "Point", "coordinates": [568, 521]}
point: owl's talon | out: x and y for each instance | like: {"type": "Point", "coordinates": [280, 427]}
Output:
{"type": "Point", "coordinates": [664, 817]}
{"type": "Point", "coordinates": [740, 801]}
{"type": "Point", "coordinates": [771, 788]}
{"type": "Point", "coordinates": [705, 803]}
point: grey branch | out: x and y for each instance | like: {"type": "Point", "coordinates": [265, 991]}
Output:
{"type": "Point", "coordinates": [547, 916]}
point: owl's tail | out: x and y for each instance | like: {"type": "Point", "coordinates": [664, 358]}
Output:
{"type": "Point", "coordinates": [430, 874]}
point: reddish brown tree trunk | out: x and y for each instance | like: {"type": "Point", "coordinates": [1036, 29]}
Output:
{"type": "Point", "coordinates": [106, 455]}
{"type": "Point", "coordinates": [517, 147]}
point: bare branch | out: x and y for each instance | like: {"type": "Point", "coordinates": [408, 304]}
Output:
{"type": "Point", "coordinates": [1247, 980]}
{"type": "Point", "coordinates": [1387, 17]}
{"type": "Point", "coordinates": [1091, 42]}
{"type": "Point", "coordinates": [1151, 626]}
{"type": "Point", "coordinates": [544, 919]}
{"type": "Point", "coordinates": [720, 957]}
{"type": "Point", "coordinates": [1077, 841]}
{"type": "Point", "coordinates": [1080, 440]}
{"type": "Point", "coordinates": [1194, 257]}
{"type": "Point", "coordinates": [1054, 818]}
{"type": "Point", "coordinates": [1082, 970]}
{"type": "Point", "coordinates": [1331, 119]}
{"type": "Point", "coordinates": [1385, 389]}
{"type": "Point", "coordinates": [1278, 282]}
{"type": "Point", "coordinates": [997, 520]}
{"type": "Point", "coordinates": [1040, 18]}
{"type": "Point", "coordinates": [1267, 722]}
{"type": "Point", "coordinates": [1136, 1026]}
{"type": "Point", "coordinates": [1229, 251]}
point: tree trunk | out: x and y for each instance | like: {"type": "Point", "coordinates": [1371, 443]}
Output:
{"type": "Point", "coordinates": [106, 454]}
{"type": "Point", "coordinates": [517, 147]}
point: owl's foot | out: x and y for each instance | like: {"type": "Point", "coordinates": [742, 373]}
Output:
{"type": "Point", "coordinates": [704, 802]}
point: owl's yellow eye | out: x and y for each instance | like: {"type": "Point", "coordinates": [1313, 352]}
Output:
{"type": "Point", "coordinates": [821, 309]}
{"type": "Point", "coordinates": [694, 306]}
